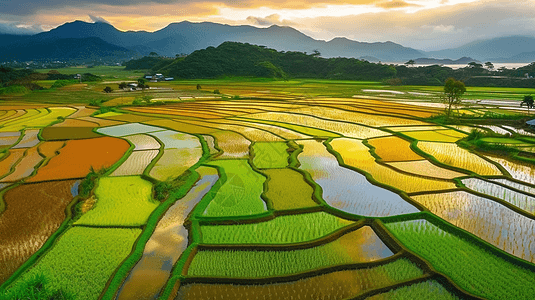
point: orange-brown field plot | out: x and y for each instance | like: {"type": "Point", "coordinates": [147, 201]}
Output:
{"type": "Point", "coordinates": [232, 144]}
{"type": "Point", "coordinates": [393, 148]}
{"type": "Point", "coordinates": [50, 149]}
{"type": "Point", "coordinates": [252, 134]}
{"type": "Point", "coordinates": [174, 112]}
{"type": "Point", "coordinates": [180, 126]}
{"type": "Point", "coordinates": [75, 123]}
{"type": "Point", "coordinates": [6, 163]}
{"type": "Point", "coordinates": [25, 167]}
{"type": "Point", "coordinates": [351, 115]}
{"type": "Point", "coordinates": [78, 156]}
{"type": "Point", "coordinates": [34, 212]}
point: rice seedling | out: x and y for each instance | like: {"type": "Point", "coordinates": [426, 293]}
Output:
{"type": "Point", "coordinates": [16, 124]}
{"type": "Point", "coordinates": [128, 129]}
{"type": "Point", "coordinates": [348, 190]}
{"type": "Point", "coordinates": [287, 189]}
{"type": "Point", "coordinates": [8, 162]}
{"type": "Point", "coordinates": [167, 243]}
{"type": "Point", "coordinates": [108, 115]}
{"type": "Point", "coordinates": [516, 185]}
{"type": "Point", "coordinates": [518, 171]}
{"type": "Point", "coordinates": [12, 113]}
{"type": "Point", "coordinates": [25, 167]}
{"type": "Point", "coordinates": [143, 142]}
{"type": "Point", "coordinates": [234, 145]}
{"type": "Point", "coordinates": [519, 200]}
{"type": "Point", "coordinates": [34, 212]}
{"type": "Point", "coordinates": [136, 163]}
{"type": "Point", "coordinates": [487, 219]}
{"type": "Point", "coordinates": [471, 267]}
{"type": "Point", "coordinates": [174, 162]}
{"type": "Point", "coordinates": [181, 112]}
{"type": "Point", "coordinates": [329, 286]}
{"type": "Point", "coordinates": [210, 141]}
{"type": "Point", "coordinates": [79, 156]}
{"type": "Point", "coordinates": [29, 139]}
{"type": "Point", "coordinates": [301, 129]}
{"type": "Point", "coordinates": [41, 120]}
{"type": "Point", "coordinates": [286, 134]}
{"type": "Point", "coordinates": [35, 287]}
{"type": "Point", "coordinates": [261, 264]}
{"type": "Point", "coordinates": [281, 230]}
{"type": "Point", "coordinates": [393, 148]}
{"type": "Point", "coordinates": [415, 128]}
{"type": "Point", "coordinates": [355, 154]}
{"type": "Point", "coordinates": [345, 129]}
{"type": "Point", "coordinates": [350, 114]}
{"type": "Point", "coordinates": [83, 259]}
{"type": "Point", "coordinates": [121, 201]}
{"type": "Point", "coordinates": [251, 134]}
{"type": "Point", "coordinates": [270, 155]}
{"type": "Point", "coordinates": [425, 168]}
{"type": "Point", "coordinates": [434, 136]}
{"type": "Point", "coordinates": [82, 111]}
{"type": "Point", "coordinates": [177, 140]}
{"type": "Point", "coordinates": [451, 154]}
{"type": "Point", "coordinates": [424, 290]}
{"type": "Point", "coordinates": [240, 193]}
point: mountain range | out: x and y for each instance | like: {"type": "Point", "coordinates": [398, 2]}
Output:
{"type": "Point", "coordinates": [78, 40]}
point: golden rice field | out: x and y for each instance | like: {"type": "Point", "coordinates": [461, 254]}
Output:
{"type": "Point", "coordinates": [283, 197]}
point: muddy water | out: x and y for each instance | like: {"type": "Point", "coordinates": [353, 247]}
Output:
{"type": "Point", "coordinates": [167, 243]}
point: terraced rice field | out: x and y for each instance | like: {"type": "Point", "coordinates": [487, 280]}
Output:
{"type": "Point", "coordinates": [287, 198]}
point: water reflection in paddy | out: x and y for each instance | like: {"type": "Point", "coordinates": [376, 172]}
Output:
{"type": "Point", "coordinates": [348, 190]}
{"type": "Point", "coordinates": [166, 244]}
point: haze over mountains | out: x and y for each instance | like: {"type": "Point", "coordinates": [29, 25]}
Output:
{"type": "Point", "coordinates": [80, 40]}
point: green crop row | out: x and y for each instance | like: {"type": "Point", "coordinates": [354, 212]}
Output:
{"type": "Point", "coordinates": [471, 267]}
{"type": "Point", "coordinates": [121, 201]}
{"type": "Point", "coordinates": [240, 194]}
{"type": "Point", "coordinates": [270, 155]}
{"type": "Point", "coordinates": [281, 230]}
{"type": "Point", "coordinates": [287, 189]}
{"type": "Point", "coordinates": [83, 260]}
{"type": "Point", "coordinates": [423, 290]}
{"type": "Point", "coordinates": [353, 247]}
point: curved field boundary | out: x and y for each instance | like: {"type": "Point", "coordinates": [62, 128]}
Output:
{"type": "Point", "coordinates": [29, 139]}
{"type": "Point", "coordinates": [306, 130]}
{"type": "Point", "coordinates": [26, 167]}
{"type": "Point", "coordinates": [121, 273]}
{"type": "Point", "coordinates": [10, 114]}
{"type": "Point", "coordinates": [251, 133]}
{"type": "Point", "coordinates": [9, 162]}
{"type": "Point", "coordinates": [459, 233]}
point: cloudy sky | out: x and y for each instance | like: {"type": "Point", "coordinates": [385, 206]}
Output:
{"type": "Point", "coordinates": [421, 24]}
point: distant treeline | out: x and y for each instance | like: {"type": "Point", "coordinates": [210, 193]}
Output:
{"type": "Point", "coordinates": [238, 59]}
{"type": "Point", "coordinates": [26, 78]}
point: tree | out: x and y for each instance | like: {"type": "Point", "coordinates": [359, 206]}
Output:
{"type": "Point", "coordinates": [199, 86]}
{"type": "Point", "coordinates": [141, 81]}
{"type": "Point", "coordinates": [528, 100]}
{"type": "Point", "coordinates": [475, 65]}
{"type": "Point", "coordinates": [489, 66]}
{"type": "Point", "coordinates": [410, 63]}
{"type": "Point", "coordinates": [153, 54]}
{"type": "Point", "coordinates": [453, 91]}
{"type": "Point", "coordinates": [108, 90]}
{"type": "Point", "coordinates": [122, 85]}
{"type": "Point", "coordinates": [316, 53]}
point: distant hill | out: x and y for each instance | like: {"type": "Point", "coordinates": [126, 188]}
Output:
{"type": "Point", "coordinates": [447, 61]}
{"type": "Point", "coordinates": [239, 59]}
{"type": "Point", "coordinates": [186, 37]}
{"type": "Point", "coordinates": [486, 50]}
{"type": "Point", "coordinates": [82, 49]}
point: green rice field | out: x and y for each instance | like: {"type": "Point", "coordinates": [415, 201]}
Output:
{"type": "Point", "coordinates": [298, 189]}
